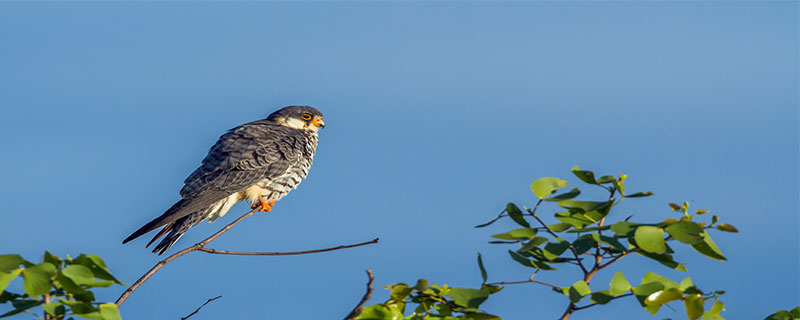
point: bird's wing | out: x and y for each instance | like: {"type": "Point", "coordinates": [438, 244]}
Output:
{"type": "Point", "coordinates": [241, 158]}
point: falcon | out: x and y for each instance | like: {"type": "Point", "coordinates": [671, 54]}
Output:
{"type": "Point", "coordinates": [259, 162]}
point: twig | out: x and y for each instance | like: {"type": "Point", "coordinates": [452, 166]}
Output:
{"type": "Point", "coordinates": [571, 248]}
{"type": "Point", "coordinates": [201, 307]}
{"type": "Point", "coordinates": [525, 281]}
{"type": "Point", "coordinates": [36, 315]}
{"type": "Point", "coordinates": [200, 246]}
{"type": "Point", "coordinates": [363, 301]}
{"type": "Point", "coordinates": [245, 253]}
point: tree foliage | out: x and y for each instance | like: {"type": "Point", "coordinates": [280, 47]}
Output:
{"type": "Point", "coordinates": [61, 287]}
{"type": "Point", "coordinates": [581, 237]}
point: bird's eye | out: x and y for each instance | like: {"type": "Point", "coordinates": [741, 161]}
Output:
{"type": "Point", "coordinates": [306, 116]}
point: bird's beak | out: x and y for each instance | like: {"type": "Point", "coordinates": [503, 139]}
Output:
{"type": "Point", "coordinates": [318, 122]}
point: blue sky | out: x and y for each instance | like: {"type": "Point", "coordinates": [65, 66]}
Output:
{"type": "Point", "coordinates": [437, 115]}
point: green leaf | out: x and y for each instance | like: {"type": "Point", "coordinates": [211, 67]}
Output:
{"type": "Point", "coordinates": [6, 277]}
{"type": "Point", "coordinates": [650, 239]}
{"type": "Point", "coordinates": [564, 196]}
{"type": "Point", "coordinates": [528, 262]}
{"type": "Point", "coordinates": [21, 306]}
{"type": "Point", "coordinates": [491, 289]}
{"type": "Point", "coordinates": [535, 242]}
{"type": "Point", "coordinates": [781, 315]}
{"type": "Point", "coordinates": [589, 229]}
{"type": "Point", "coordinates": [470, 298]}
{"type": "Point", "coordinates": [97, 265]}
{"type": "Point", "coordinates": [53, 308]}
{"type": "Point", "coordinates": [484, 276]}
{"type": "Point", "coordinates": [623, 229]}
{"type": "Point", "coordinates": [544, 187]}
{"type": "Point", "coordinates": [559, 227]}
{"type": "Point", "coordinates": [620, 185]}
{"type": "Point", "coordinates": [79, 274]}
{"type": "Point", "coordinates": [109, 311]}
{"type": "Point", "coordinates": [10, 262]}
{"type": "Point", "coordinates": [606, 179]}
{"type": "Point", "coordinates": [694, 306]}
{"type": "Point", "coordinates": [51, 258]}
{"type": "Point", "coordinates": [601, 297]}
{"type": "Point", "coordinates": [68, 285]}
{"type": "Point", "coordinates": [717, 308]}
{"type": "Point", "coordinates": [795, 312]}
{"type": "Point", "coordinates": [663, 296]}
{"type": "Point", "coordinates": [475, 316]}
{"type": "Point", "coordinates": [639, 194]}
{"type": "Point", "coordinates": [654, 277]}
{"type": "Point", "coordinates": [585, 176]}
{"type": "Point", "coordinates": [516, 215]}
{"type": "Point", "coordinates": [686, 232]}
{"type": "Point", "coordinates": [517, 234]}
{"type": "Point", "coordinates": [619, 285]}
{"type": "Point", "coordinates": [686, 283]}
{"type": "Point", "coordinates": [584, 206]}
{"type": "Point", "coordinates": [378, 312]}
{"type": "Point", "coordinates": [708, 247]}
{"type": "Point", "coordinates": [611, 242]}
{"type": "Point", "coordinates": [578, 290]}
{"type": "Point", "coordinates": [37, 279]}
{"type": "Point", "coordinates": [399, 291]}
{"type": "Point", "coordinates": [665, 259]}
{"type": "Point", "coordinates": [584, 243]}
{"type": "Point", "coordinates": [644, 290]}
{"type": "Point", "coordinates": [577, 219]}
{"type": "Point", "coordinates": [727, 228]}
{"type": "Point", "coordinates": [554, 249]}
{"type": "Point", "coordinates": [674, 206]}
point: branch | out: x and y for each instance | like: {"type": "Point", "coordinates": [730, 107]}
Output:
{"type": "Point", "coordinates": [525, 281]}
{"type": "Point", "coordinates": [571, 248]}
{"type": "Point", "coordinates": [200, 247]}
{"type": "Point", "coordinates": [246, 253]}
{"type": "Point", "coordinates": [201, 307]}
{"type": "Point", "coordinates": [366, 297]}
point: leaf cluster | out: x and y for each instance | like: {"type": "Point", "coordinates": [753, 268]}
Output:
{"type": "Point", "coordinates": [433, 302]}
{"type": "Point", "coordinates": [583, 238]}
{"type": "Point", "coordinates": [62, 287]}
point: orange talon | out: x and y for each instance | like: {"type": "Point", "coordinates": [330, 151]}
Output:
{"type": "Point", "coordinates": [263, 205]}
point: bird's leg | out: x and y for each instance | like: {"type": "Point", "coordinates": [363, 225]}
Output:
{"type": "Point", "coordinates": [263, 204]}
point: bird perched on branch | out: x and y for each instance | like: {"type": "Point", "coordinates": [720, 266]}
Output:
{"type": "Point", "coordinates": [260, 162]}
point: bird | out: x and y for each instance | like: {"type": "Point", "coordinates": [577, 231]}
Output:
{"type": "Point", "coordinates": [259, 162]}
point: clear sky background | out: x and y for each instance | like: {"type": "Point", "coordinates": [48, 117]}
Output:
{"type": "Point", "coordinates": [437, 115]}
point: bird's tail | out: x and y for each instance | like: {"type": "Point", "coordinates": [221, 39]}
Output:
{"type": "Point", "coordinates": [176, 230]}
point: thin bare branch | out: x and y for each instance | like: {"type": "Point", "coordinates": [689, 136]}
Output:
{"type": "Point", "coordinates": [525, 281]}
{"type": "Point", "coordinates": [364, 299]}
{"type": "Point", "coordinates": [201, 307]}
{"type": "Point", "coordinates": [246, 253]}
{"type": "Point", "coordinates": [200, 246]}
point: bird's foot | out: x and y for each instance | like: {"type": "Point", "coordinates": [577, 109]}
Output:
{"type": "Point", "coordinates": [263, 205]}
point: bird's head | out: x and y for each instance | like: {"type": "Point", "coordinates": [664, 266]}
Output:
{"type": "Point", "coordinates": [298, 117]}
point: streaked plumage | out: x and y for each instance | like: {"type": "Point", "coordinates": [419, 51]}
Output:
{"type": "Point", "coordinates": [263, 159]}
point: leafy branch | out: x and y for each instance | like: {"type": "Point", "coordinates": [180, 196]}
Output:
{"type": "Point", "coordinates": [585, 223]}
